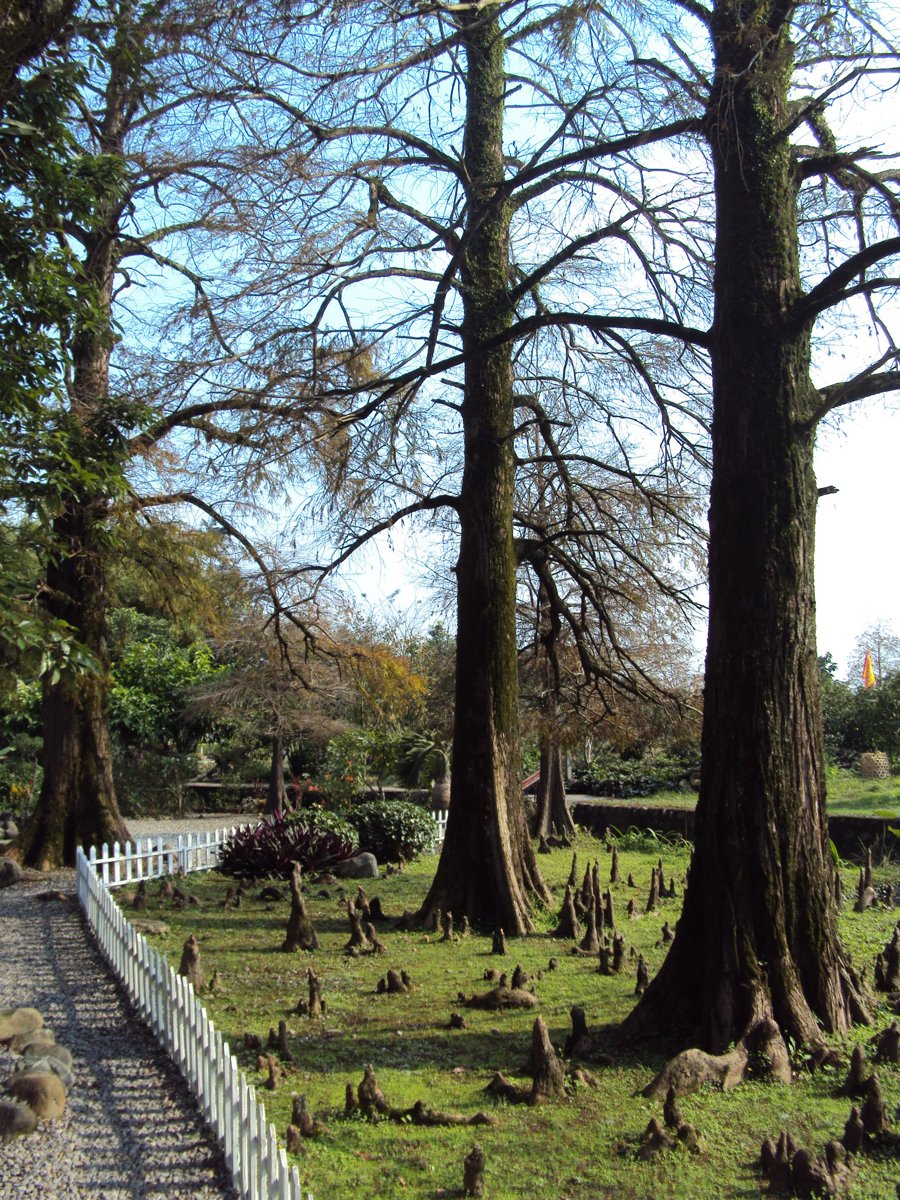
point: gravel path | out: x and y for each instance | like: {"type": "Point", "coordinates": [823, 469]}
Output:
{"type": "Point", "coordinates": [131, 1128]}
{"type": "Point", "coordinates": [141, 827]}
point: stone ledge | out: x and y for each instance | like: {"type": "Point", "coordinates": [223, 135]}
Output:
{"type": "Point", "coordinates": [852, 836]}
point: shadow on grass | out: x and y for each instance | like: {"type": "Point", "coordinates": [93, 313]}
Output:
{"type": "Point", "coordinates": [436, 1048]}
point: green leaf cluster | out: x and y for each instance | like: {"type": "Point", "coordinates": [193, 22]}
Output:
{"type": "Point", "coordinates": [859, 719]}
{"type": "Point", "coordinates": [152, 677]}
{"type": "Point", "coordinates": [393, 829]}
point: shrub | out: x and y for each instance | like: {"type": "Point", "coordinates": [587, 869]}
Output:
{"type": "Point", "coordinates": [20, 775]}
{"type": "Point", "coordinates": [315, 839]}
{"type": "Point", "coordinates": [393, 829]}
{"type": "Point", "coordinates": [148, 782]}
{"type": "Point", "coordinates": [647, 841]}
{"type": "Point", "coordinates": [608, 774]}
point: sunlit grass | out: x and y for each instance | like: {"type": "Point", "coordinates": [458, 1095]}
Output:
{"type": "Point", "coordinates": [848, 794]}
{"type": "Point", "coordinates": [580, 1149]}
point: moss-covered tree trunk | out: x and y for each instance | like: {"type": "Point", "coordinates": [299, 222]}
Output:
{"type": "Point", "coordinates": [758, 934]}
{"type": "Point", "coordinates": [487, 869]}
{"type": "Point", "coordinates": [77, 802]}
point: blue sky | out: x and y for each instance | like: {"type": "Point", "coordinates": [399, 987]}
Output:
{"type": "Point", "coordinates": [857, 559]}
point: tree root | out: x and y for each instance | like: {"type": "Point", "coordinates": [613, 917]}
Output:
{"type": "Point", "coordinates": [857, 1081]}
{"type": "Point", "coordinates": [500, 997]}
{"type": "Point", "coordinates": [798, 1172]}
{"type": "Point", "coordinates": [189, 966]}
{"type": "Point", "coordinates": [567, 926]}
{"type": "Point", "coordinates": [359, 943]}
{"type": "Point", "coordinates": [887, 965]}
{"type": "Point", "coordinates": [395, 983]}
{"type": "Point", "coordinates": [315, 1006]}
{"type": "Point", "coordinates": [887, 1044]}
{"type": "Point", "coordinates": [372, 1103]}
{"type": "Point", "coordinates": [473, 1172]}
{"type": "Point", "coordinates": [303, 1119]}
{"type": "Point", "coordinates": [689, 1070]}
{"type": "Point", "coordinates": [278, 1041]}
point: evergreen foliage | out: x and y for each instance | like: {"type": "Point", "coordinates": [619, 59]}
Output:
{"type": "Point", "coordinates": [393, 829]}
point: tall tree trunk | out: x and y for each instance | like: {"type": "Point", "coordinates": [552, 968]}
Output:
{"type": "Point", "coordinates": [553, 814]}
{"type": "Point", "coordinates": [758, 934]}
{"type": "Point", "coordinates": [276, 793]}
{"type": "Point", "coordinates": [487, 870]}
{"type": "Point", "coordinates": [77, 801]}
{"type": "Point", "coordinates": [552, 810]}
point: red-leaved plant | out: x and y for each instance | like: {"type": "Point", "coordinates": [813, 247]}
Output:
{"type": "Point", "coordinates": [269, 850]}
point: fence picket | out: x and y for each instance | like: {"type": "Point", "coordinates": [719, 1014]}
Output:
{"type": "Point", "coordinates": [168, 1004]}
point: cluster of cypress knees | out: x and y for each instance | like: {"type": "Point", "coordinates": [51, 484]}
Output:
{"type": "Point", "coordinates": [587, 918]}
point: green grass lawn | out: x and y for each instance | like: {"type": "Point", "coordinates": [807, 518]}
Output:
{"type": "Point", "coordinates": [848, 795]}
{"type": "Point", "coordinates": [578, 1149]}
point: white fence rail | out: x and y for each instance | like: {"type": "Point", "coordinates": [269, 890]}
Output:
{"type": "Point", "coordinates": [168, 1004]}
{"type": "Point", "coordinates": [164, 854]}
{"type": "Point", "coordinates": [440, 818]}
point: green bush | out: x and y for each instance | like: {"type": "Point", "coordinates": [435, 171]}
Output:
{"type": "Point", "coordinates": [20, 775]}
{"type": "Point", "coordinates": [149, 783]}
{"type": "Point", "coordinates": [393, 829]}
{"type": "Point", "coordinates": [856, 719]}
{"type": "Point", "coordinates": [354, 761]}
{"type": "Point", "coordinates": [608, 774]}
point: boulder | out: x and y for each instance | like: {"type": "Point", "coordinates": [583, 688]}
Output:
{"type": "Point", "coordinates": [363, 866]}
{"type": "Point", "coordinates": [18, 1020]}
{"type": "Point", "coordinates": [45, 1050]}
{"type": "Point", "coordinates": [36, 1037]}
{"type": "Point", "coordinates": [146, 925]}
{"type": "Point", "coordinates": [45, 1065]}
{"type": "Point", "coordinates": [10, 872]}
{"type": "Point", "coordinates": [44, 1093]}
{"type": "Point", "coordinates": [16, 1119]}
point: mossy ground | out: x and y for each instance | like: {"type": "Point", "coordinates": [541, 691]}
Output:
{"type": "Point", "coordinates": [580, 1149]}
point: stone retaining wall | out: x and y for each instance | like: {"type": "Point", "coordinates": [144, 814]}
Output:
{"type": "Point", "coordinates": [851, 835]}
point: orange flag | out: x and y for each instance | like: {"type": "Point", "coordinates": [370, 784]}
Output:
{"type": "Point", "coordinates": [868, 672]}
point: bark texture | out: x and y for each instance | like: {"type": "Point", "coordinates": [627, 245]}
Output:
{"type": "Point", "coordinates": [487, 870]}
{"type": "Point", "coordinates": [553, 816]}
{"type": "Point", "coordinates": [758, 935]}
{"type": "Point", "coordinates": [276, 791]}
{"type": "Point", "coordinates": [77, 803]}
{"type": "Point", "coordinates": [27, 28]}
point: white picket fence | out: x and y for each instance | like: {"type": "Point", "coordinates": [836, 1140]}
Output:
{"type": "Point", "coordinates": [164, 854]}
{"type": "Point", "coordinates": [441, 822]}
{"type": "Point", "coordinates": [169, 1005]}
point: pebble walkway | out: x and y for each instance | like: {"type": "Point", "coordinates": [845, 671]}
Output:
{"type": "Point", "coordinates": [131, 1128]}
